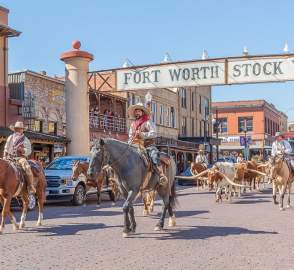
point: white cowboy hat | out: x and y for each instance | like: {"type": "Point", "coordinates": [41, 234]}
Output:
{"type": "Point", "coordinates": [278, 134]}
{"type": "Point", "coordinates": [138, 106]}
{"type": "Point", "coordinates": [18, 124]}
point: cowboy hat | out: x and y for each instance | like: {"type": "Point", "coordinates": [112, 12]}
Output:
{"type": "Point", "coordinates": [138, 106]}
{"type": "Point", "coordinates": [19, 125]}
{"type": "Point", "coordinates": [278, 134]}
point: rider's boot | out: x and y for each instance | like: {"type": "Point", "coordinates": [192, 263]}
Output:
{"type": "Point", "coordinates": [30, 178]}
{"type": "Point", "coordinates": [162, 178]}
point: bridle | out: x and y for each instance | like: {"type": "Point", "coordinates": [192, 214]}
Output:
{"type": "Point", "coordinates": [105, 160]}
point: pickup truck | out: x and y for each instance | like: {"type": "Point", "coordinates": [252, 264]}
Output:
{"type": "Point", "coordinates": [60, 186]}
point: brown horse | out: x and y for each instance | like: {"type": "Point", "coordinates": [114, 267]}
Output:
{"type": "Point", "coordinates": [148, 201]}
{"type": "Point", "coordinates": [197, 168]}
{"type": "Point", "coordinates": [282, 176]}
{"type": "Point", "coordinates": [11, 186]}
{"type": "Point", "coordinates": [105, 176]}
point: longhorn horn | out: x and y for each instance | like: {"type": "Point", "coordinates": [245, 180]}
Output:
{"type": "Point", "coordinates": [258, 172]}
{"type": "Point", "coordinates": [230, 181]}
{"type": "Point", "coordinates": [262, 165]}
{"type": "Point", "coordinates": [194, 176]}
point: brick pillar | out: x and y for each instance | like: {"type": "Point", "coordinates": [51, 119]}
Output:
{"type": "Point", "coordinates": [77, 99]}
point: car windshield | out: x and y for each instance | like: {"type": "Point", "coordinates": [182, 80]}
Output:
{"type": "Point", "coordinates": [63, 163]}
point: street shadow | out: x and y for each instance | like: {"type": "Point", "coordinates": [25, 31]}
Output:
{"type": "Point", "coordinates": [255, 197]}
{"type": "Point", "coordinates": [69, 229]}
{"type": "Point", "coordinates": [203, 232]}
{"type": "Point", "coordinates": [79, 212]}
{"type": "Point", "coordinates": [180, 214]}
{"type": "Point", "coordinates": [250, 201]}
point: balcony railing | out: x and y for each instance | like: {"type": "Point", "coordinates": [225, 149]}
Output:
{"type": "Point", "coordinates": [107, 123]}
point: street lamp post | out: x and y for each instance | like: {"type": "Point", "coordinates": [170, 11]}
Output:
{"type": "Point", "coordinates": [215, 125]}
{"type": "Point", "coordinates": [245, 143]}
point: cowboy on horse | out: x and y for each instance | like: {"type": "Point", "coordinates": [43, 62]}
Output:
{"type": "Point", "coordinates": [18, 148]}
{"type": "Point", "coordinates": [201, 158]}
{"type": "Point", "coordinates": [142, 133]}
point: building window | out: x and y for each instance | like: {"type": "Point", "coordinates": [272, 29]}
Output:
{"type": "Point", "coordinates": [38, 126]}
{"type": "Point", "coordinates": [167, 117]}
{"type": "Point", "coordinates": [206, 106]}
{"type": "Point", "coordinates": [133, 99]}
{"type": "Point", "coordinates": [222, 125]}
{"type": "Point", "coordinates": [154, 111]}
{"type": "Point", "coordinates": [192, 101]}
{"type": "Point", "coordinates": [245, 123]}
{"type": "Point", "coordinates": [184, 126]}
{"type": "Point", "coordinates": [183, 97]}
{"type": "Point", "coordinates": [52, 128]}
{"type": "Point", "coordinates": [161, 115]}
{"type": "Point", "coordinates": [173, 117]}
{"type": "Point", "coordinates": [200, 105]}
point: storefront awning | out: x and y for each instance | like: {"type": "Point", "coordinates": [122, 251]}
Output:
{"type": "Point", "coordinates": [36, 136]}
{"type": "Point", "coordinates": [6, 31]}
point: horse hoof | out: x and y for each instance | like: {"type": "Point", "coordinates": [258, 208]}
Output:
{"type": "Point", "coordinates": [39, 224]}
{"type": "Point", "coordinates": [172, 222]}
{"type": "Point", "coordinates": [113, 204]}
{"type": "Point", "coordinates": [21, 225]}
{"type": "Point", "coordinates": [288, 206]}
{"type": "Point", "coordinates": [158, 228]}
{"type": "Point", "coordinates": [145, 213]}
{"type": "Point", "coordinates": [282, 208]}
{"type": "Point", "coordinates": [15, 227]}
{"type": "Point", "coordinates": [125, 235]}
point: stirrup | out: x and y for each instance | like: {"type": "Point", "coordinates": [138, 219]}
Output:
{"type": "Point", "coordinates": [162, 180]}
{"type": "Point", "coordinates": [32, 190]}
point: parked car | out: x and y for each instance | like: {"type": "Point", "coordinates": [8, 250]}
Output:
{"type": "Point", "coordinates": [60, 186]}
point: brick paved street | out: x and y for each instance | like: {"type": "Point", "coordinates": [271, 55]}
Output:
{"type": "Point", "coordinates": [250, 233]}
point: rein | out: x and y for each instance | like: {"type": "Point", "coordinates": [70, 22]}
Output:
{"type": "Point", "coordinates": [116, 160]}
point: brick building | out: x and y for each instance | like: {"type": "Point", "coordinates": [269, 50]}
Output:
{"type": "Point", "coordinates": [38, 100]}
{"type": "Point", "coordinates": [257, 120]}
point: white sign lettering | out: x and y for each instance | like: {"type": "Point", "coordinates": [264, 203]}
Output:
{"type": "Point", "coordinates": [173, 75]}
{"type": "Point", "coordinates": [261, 70]}
{"type": "Point", "coordinates": [214, 72]}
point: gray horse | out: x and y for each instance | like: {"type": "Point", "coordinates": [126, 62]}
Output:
{"type": "Point", "coordinates": [133, 174]}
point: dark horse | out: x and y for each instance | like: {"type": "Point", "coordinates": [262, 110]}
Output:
{"type": "Point", "coordinates": [133, 176]}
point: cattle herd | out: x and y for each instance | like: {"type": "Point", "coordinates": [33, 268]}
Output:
{"type": "Point", "coordinates": [232, 179]}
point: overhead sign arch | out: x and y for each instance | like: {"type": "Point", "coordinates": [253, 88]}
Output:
{"type": "Point", "coordinates": [218, 71]}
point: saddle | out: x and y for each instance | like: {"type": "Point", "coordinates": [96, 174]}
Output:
{"type": "Point", "coordinates": [21, 176]}
{"type": "Point", "coordinates": [35, 166]}
{"type": "Point", "coordinates": [165, 159]}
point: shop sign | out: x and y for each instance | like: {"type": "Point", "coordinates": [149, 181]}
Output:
{"type": "Point", "coordinates": [230, 139]}
{"type": "Point", "coordinates": [58, 148]}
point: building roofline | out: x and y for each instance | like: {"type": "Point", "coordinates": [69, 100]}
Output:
{"type": "Point", "coordinates": [218, 59]}
{"type": "Point", "coordinates": [4, 9]}
{"type": "Point", "coordinates": [7, 31]}
{"type": "Point", "coordinates": [34, 73]}
{"type": "Point", "coordinates": [246, 104]}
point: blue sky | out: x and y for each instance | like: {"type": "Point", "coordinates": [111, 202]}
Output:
{"type": "Point", "coordinates": [144, 30]}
